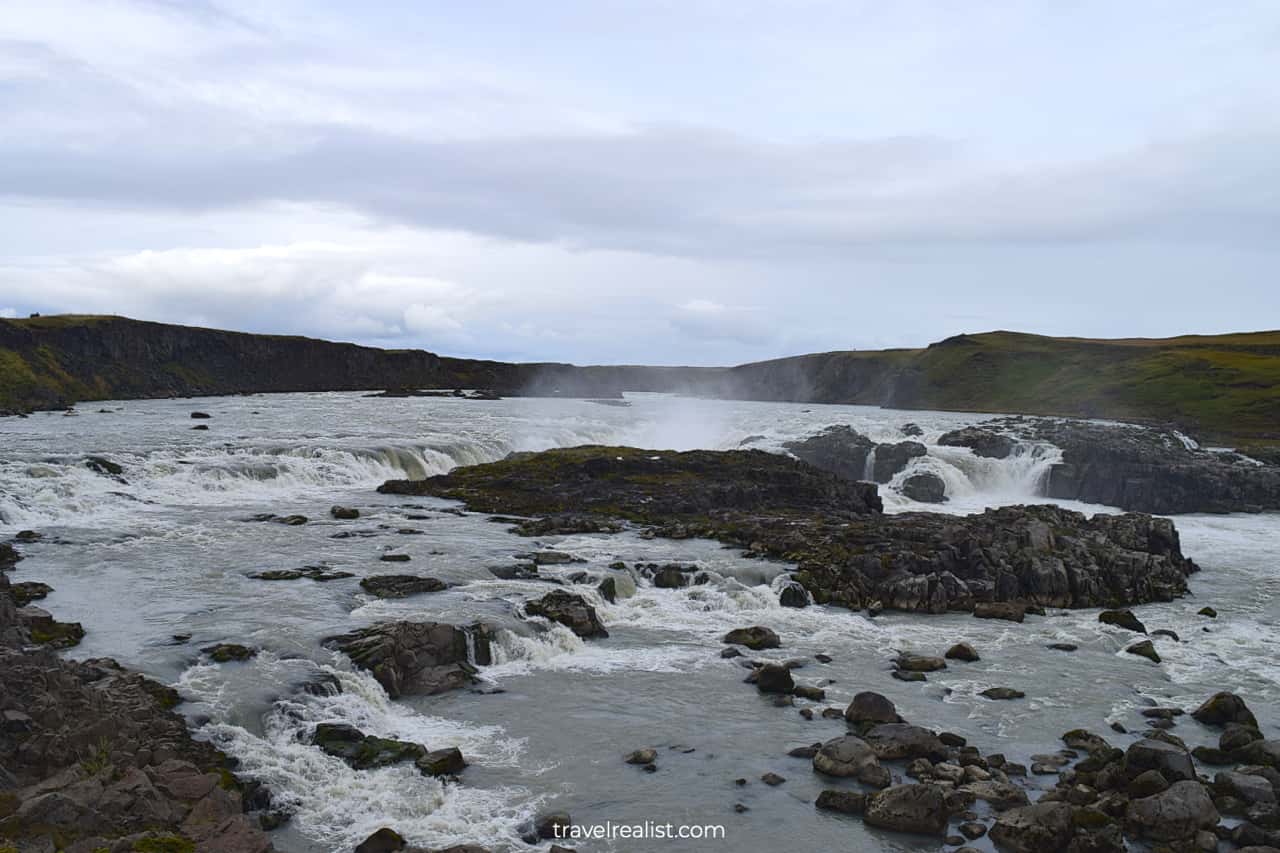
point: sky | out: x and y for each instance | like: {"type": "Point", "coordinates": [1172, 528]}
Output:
{"type": "Point", "coordinates": [659, 182]}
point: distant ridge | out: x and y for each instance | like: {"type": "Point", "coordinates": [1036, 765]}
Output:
{"type": "Point", "coordinates": [1225, 388]}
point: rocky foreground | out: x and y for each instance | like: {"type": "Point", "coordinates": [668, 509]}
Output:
{"type": "Point", "coordinates": [847, 551]}
{"type": "Point", "coordinates": [93, 758]}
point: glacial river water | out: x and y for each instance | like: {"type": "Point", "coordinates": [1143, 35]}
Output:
{"type": "Point", "coordinates": [165, 549]}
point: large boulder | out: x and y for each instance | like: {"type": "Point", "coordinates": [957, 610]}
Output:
{"type": "Point", "coordinates": [774, 678]}
{"type": "Point", "coordinates": [869, 708]}
{"type": "Point", "coordinates": [756, 638]}
{"type": "Point", "coordinates": [1223, 708]}
{"type": "Point", "coordinates": [1173, 762]}
{"type": "Point", "coordinates": [889, 459]}
{"type": "Point", "coordinates": [848, 757]}
{"type": "Point", "coordinates": [569, 610]}
{"type": "Point", "coordinates": [840, 449]}
{"type": "Point", "coordinates": [907, 808]}
{"type": "Point", "coordinates": [925, 487]}
{"type": "Point", "coordinates": [417, 658]}
{"type": "Point", "coordinates": [1036, 828]}
{"type": "Point", "coordinates": [361, 751]}
{"type": "Point", "coordinates": [1174, 814]}
{"type": "Point", "coordinates": [903, 741]}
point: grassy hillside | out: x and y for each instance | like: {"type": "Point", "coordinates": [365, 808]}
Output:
{"type": "Point", "coordinates": [1224, 387]}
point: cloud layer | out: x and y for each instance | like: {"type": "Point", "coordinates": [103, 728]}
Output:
{"type": "Point", "coordinates": [727, 184]}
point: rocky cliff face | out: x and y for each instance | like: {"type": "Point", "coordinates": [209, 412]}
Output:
{"type": "Point", "coordinates": [53, 361]}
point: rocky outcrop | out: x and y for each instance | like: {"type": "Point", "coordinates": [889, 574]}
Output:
{"type": "Point", "coordinates": [844, 451]}
{"type": "Point", "coordinates": [569, 610]}
{"type": "Point", "coordinates": [400, 586]}
{"type": "Point", "coordinates": [1150, 470]}
{"type": "Point", "coordinates": [983, 442]}
{"type": "Point", "coordinates": [417, 658]}
{"type": "Point", "coordinates": [92, 757]}
{"type": "Point", "coordinates": [847, 552]}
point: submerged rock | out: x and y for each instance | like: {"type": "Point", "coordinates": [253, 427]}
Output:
{"type": "Point", "coordinates": [982, 442]}
{"type": "Point", "coordinates": [345, 513]}
{"type": "Point", "coordinates": [569, 610]}
{"type": "Point", "coordinates": [363, 751]}
{"type": "Point", "coordinates": [416, 658]}
{"type": "Point", "coordinates": [227, 652]}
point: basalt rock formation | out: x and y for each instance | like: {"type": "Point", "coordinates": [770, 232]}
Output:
{"type": "Point", "coordinates": [417, 658]}
{"type": "Point", "coordinates": [842, 450]}
{"type": "Point", "coordinates": [848, 552]}
{"type": "Point", "coordinates": [92, 757]}
{"type": "Point", "coordinates": [1150, 470]}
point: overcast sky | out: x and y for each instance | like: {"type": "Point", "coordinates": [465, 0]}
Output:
{"type": "Point", "coordinates": [670, 181]}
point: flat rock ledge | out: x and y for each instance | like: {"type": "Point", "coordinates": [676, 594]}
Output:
{"type": "Point", "coordinates": [848, 552]}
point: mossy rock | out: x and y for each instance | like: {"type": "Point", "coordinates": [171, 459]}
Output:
{"type": "Point", "coordinates": [164, 844]}
{"type": "Point", "coordinates": [362, 751]}
{"type": "Point", "coordinates": [228, 652]}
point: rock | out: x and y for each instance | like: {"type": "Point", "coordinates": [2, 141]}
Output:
{"type": "Point", "coordinates": [918, 663]}
{"type": "Point", "coordinates": [569, 610]}
{"type": "Point", "coordinates": [361, 751]}
{"type": "Point", "coordinates": [972, 830]}
{"type": "Point", "coordinates": [889, 459]}
{"type": "Point", "coordinates": [1174, 764]}
{"type": "Point", "coordinates": [1144, 649]}
{"type": "Point", "coordinates": [907, 808]}
{"type": "Point", "coordinates": [9, 556]}
{"type": "Point", "coordinates": [201, 415]}
{"type": "Point", "coordinates": [441, 762]}
{"type": "Point", "coordinates": [912, 430]}
{"type": "Point", "coordinates": [1149, 470]}
{"type": "Point", "coordinates": [755, 638]}
{"type": "Point", "coordinates": [416, 658]}
{"type": "Point", "coordinates": [793, 595]}
{"type": "Point", "coordinates": [383, 841]}
{"type": "Point", "coordinates": [1146, 784]}
{"type": "Point", "coordinates": [345, 513]}
{"type": "Point", "coordinates": [962, 652]}
{"type": "Point", "coordinates": [1000, 795]}
{"type": "Point", "coordinates": [400, 586]}
{"type": "Point", "coordinates": [904, 675]}
{"type": "Point", "coordinates": [1002, 693]}
{"type": "Point", "coordinates": [847, 757]}
{"type": "Point", "coordinates": [925, 487]}
{"type": "Point", "coordinates": [1174, 814]}
{"type": "Point", "coordinates": [227, 652]}
{"type": "Point", "coordinates": [844, 802]}
{"type": "Point", "coordinates": [394, 558]}
{"type": "Point", "coordinates": [847, 552]}
{"type": "Point", "coordinates": [201, 428]}
{"type": "Point", "coordinates": [813, 694]}
{"type": "Point", "coordinates": [1122, 619]}
{"type": "Point", "coordinates": [1006, 610]}
{"type": "Point", "coordinates": [870, 709]}
{"type": "Point", "coordinates": [103, 466]}
{"type": "Point", "coordinates": [1222, 708]}
{"type": "Point", "coordinates": [1237, 736]}
{"type": "Point", "coordinates": [1245, 787]}
{"type": "Point", "coordinates": [1043, 827]}
{"type": "Point", "coordinates": [902, 741]}
{"type": "Point", "coordinates": [982, 442]}
{"type": "Point", "coordinates": [1207, 611]}
{"type": "Point", "coordinates": [772, 678]}
{"type": "Point", "coordinates": [550, 826]}
{"type": "Point", "coordinates": [28, 591]}
{"type": "Point", "coordinates": [1063, 647]}
{"type": "Point", "coordinates": [315, 573]}
{"type": "Point", "coordinates": [772, 779]}
{"type": "Point", "coordinates": [642, 756]}
{"type": "Point", "coordinates": [839, 449]}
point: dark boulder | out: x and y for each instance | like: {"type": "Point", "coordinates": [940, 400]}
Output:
{"type": "Point", "coordinates": [1173, 762]}
{"type": "Point", "coordinates": [344, 512]}
{"type": "Point", "coordinates": [1002, 693]}
{"type": "Point", "coordinates": [756, 638]}
{"type": "Point", "coordinates": [569, 610]}
{"type": "Point", "coordinates": [362, 751]}
{"type": "Point", "coordinates": [416, 658]}
{"type": "Point", "coordinates": [400, 586]}
{"type": "Point", "coordinates": [1043, 827]}
{"type": "Point", "coordinates": [1223, 708]}
{"type": "Point", "coordinates": [981, 441]}
{"type": "Point", "coordinates": [1145, 649]}
{"type": "Point", "coordinates": [385, 840]}
{"type": "Point", "coordinates": [1175, 814]}
{"type": "Point", "coordinates": [1122, 619]}
{"type": "Point", "coordinates": [962, 652]}
{"type": "Point", "coordinates": [844, 802]}
{"type": "Point", "coordinates": [872, 709]}
{"type": "Point", "coordinates": [902, 741]}
{"type": "Point", "coordinates": [889, 459]}
{"type": "Point", "coordinates": [793, 595]}
{"type": "Point", "coordinates": [227, 652]}
{"type": "Point", "coordinates": [1009, 611]}
{"type": "Point", "coordinates": [925, 487]}
{"type": "Point", "coordinates": [773, 678]}
{"type": "Point", "coordinates": [907, 808]}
